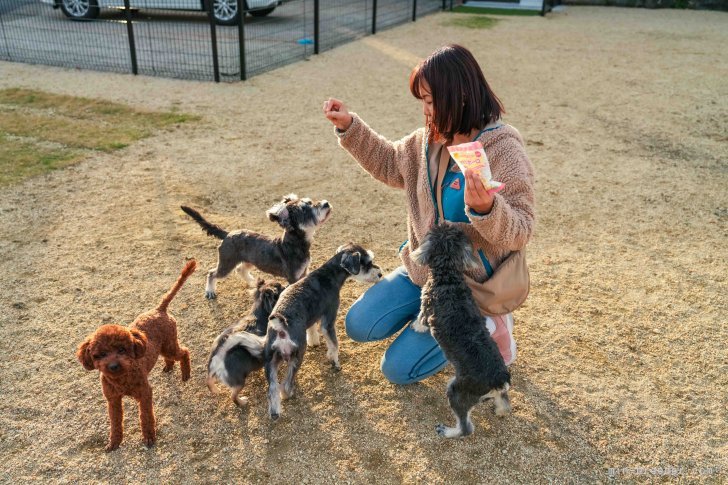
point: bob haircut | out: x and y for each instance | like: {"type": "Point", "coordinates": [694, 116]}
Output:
{"type": "Point", "coordinates": [462, 99]}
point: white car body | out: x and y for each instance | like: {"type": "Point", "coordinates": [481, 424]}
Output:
{"type": "Point", "coordinates": [225, 12]}
{"type": "Point", "coordinates": [172, 4]}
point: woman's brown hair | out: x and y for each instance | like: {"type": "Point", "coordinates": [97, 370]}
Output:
{"type": "Point", "coordinates": [462, 99]}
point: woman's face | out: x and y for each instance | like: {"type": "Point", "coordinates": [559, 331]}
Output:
{"type": "Point", "coordinates": [427, 107]}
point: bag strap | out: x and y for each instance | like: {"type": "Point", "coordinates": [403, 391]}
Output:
{"type": "Point", "coordinates": [443, 163]}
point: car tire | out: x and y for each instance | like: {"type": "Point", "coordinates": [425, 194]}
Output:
{"type": "Point", "coordinates": [226, 12]}
{"type": "Point", "coordinates": [79, 9]}
{"type": "Point", "coordinates": [262, 12]}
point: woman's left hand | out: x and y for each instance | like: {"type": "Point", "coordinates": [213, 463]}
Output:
{"type": "Point", "coordinates": [476, 196]}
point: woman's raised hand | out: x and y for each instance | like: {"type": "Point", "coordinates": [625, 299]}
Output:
{"type": "Point", "coordinates": [337, 114]}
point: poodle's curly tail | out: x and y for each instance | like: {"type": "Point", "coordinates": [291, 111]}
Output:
{"type": "Point", "coordinates": [210, 229]}
{"type": "Point", "coordinates": [186, 272]}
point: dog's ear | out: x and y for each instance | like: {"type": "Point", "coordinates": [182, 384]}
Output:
{"type": "Point", "coordinates": [260, 282]}
{"type": "Point", "coordinates": [290, 197]}
{"type": "Point", "coordinates": [139, 343]}
{"type": "Point", "coordinates": [422, 254]}
{"type": "Point", "coordinates": [83, 355]}
{"type": "Point", "coordinates": [351, 262]}
{"type": "Point", "coordinates": [270, 297]}
{"type": "Point", "coordinates": [279, 213]}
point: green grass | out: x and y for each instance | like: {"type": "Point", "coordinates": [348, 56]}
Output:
{"type": "Point", "coordinates": [495, 11]}
{"type": "Point", "coordinates": [44, 131]}
{"type": "Point", "coordinates": [476, 22]}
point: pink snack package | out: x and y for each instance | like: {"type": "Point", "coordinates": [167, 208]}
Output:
{"type": "Point", "coordinates": [472, 155]}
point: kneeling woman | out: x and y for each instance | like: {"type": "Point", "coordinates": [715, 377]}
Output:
{"type": "Point", "coordinates": [459, 107]}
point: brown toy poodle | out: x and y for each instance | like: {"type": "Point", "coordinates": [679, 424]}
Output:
{"type": "Point", "coordinates": [125, 356]}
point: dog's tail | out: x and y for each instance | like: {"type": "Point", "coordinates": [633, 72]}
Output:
{"type": "Point", "coordinates": [210, 229]}
{"type": "Point", "coordinates": [186, 272]}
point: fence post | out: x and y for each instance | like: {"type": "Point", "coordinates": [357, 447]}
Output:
{"type": "Point", "coordinates": [130, 34]}
{"type": "Point", "coordinates": [316, 22]}
{"type": "Point", "coordinates": [213, 40]}
{"type": "Point", "coordinates": [374, 17]}
{"type": "Point", "coordinates": [241, 40]}
{"type": "Point", "coordinates": [414, 10]}
{"type": "Point", "coordinates": [444, 5]}
{"type": "Point", "coordinates": [451, 5]}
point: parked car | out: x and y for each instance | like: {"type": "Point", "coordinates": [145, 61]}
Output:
{"type": "Point", "coordinates": [224, 11]}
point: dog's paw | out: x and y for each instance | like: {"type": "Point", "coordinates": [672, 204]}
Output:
{"type": "Point", "coordinates": [336, 366]}
{"type": "Point", "coordinates": [241, 401]}
{"type": "Point", "coordinates": [149, 442]}
{"type": "Point", "coordinates": [210, 295]}
{"type": "Point", "coordinates": [168, 367]}
{"type": "Point", "coordinates": [448, 432]}
{"type": "Point", "coordinates": [111, 447]}
{"type": "Point", "coordinates": [420, 327]}
{"type": "Point", "coordinates": [288, 393]}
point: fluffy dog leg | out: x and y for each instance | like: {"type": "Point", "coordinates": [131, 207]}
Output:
{"type": "Point", "coordinates": [173, 352]}
{"type": "Point", "coordinates": [239, 400]}
{"type": "Point", "coordinates": [502, 403]}
{"type": "Point", "coordinates": [226, 262]}
{"type": "Point", "coordinates": [244, 272]}
{"type": "Point", "coordinates": [421, 323]}
{"type": "Point", "coordinates": [183, 356]}
{"type": "Point", "coordinates": [289, 384]}
{"type": "Point", "coordinates": [146, 417]}
{"type": "Point", "coordinates": [313, 337]}
{"type": "Point", "coordinates": [274, 395]}
{"type": "Point", "coordinates": [461, 403]}
{"type": "Point", "coordinates": [329, 330]}
{"type": "Point", "coordinates": [210, 284]}
{"type": "Point", "coordinates": [116, 420]}
{"type": "Point", "coordinates": [210, 381]}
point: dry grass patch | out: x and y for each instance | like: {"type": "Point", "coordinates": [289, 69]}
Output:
{"type": "Point", "coordinates": [21, 158]}
{"type": "Point", "coordinates": [44, 131]}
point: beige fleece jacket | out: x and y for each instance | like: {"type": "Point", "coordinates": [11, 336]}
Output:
{"type": "Point", "coordinates": [403, 164]}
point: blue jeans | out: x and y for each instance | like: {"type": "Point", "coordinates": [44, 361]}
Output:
{"type": "Point", "coordinates": [381, 312]}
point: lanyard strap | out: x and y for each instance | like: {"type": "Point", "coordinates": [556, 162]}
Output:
{"type": "Point", "coordinates": [443, 163]}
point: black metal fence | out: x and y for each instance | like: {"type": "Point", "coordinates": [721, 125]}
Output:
{"type": "Point", "coordinates": [191, 39]}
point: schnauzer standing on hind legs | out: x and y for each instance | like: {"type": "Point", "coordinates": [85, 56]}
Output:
{"type": "Point", "coordinates": [449, 311]}
{"type": "Point", "coordinates": [125, 356]}
{"type": "Point", "coordinates": [300, 306]}
{"type": "Point", "coordinates": [287, 256]}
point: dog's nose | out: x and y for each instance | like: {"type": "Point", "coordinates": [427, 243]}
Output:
{"type": "Point", "coordinates": [379, 274]}
{"type": "Point", "coordinates": [114, 366]}
{"type": "Point", "coordinates": [325, 204]}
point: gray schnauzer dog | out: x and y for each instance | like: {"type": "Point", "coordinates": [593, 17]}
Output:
{"type": "Point", "coordinates": [301, 305]}
{"type": "Point", "coordinates": [451, 314]}
{"type": "Point", "coordinates": [287, 256]}
{"type": "Point", "coordinates": [238, 351]}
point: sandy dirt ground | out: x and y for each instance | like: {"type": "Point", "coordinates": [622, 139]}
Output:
{"type": "Point", "coordinates": [622, 367]}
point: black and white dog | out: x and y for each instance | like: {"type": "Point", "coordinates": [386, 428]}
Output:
{"type": "Point", "coordinates": [451, 314]}
{"type": "Point", "coordinates": [238, 351]}
{"type": "Point", "coordinates": [287, 256]}
{"type": "Point", "coordinates": [301, 305]}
